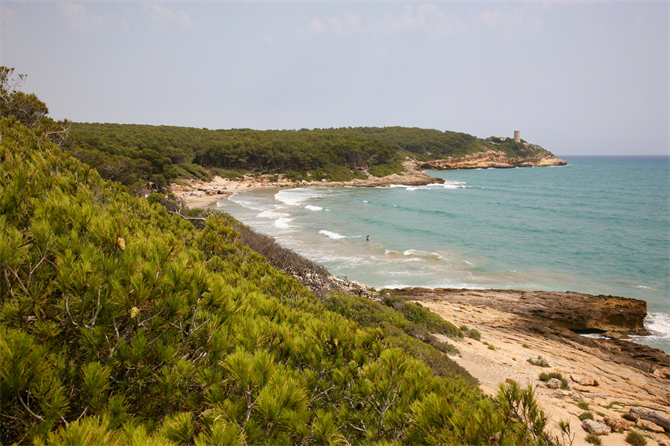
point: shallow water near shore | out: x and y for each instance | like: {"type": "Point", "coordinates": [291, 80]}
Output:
{"type": "Point", "coordinates": [600, 225]}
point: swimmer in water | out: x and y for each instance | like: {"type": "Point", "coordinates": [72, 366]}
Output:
{"type": "Point", "coordinates": [367, 238]}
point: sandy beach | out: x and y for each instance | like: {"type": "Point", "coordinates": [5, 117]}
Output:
{"type": "Point", "coordinates": [205, 195]}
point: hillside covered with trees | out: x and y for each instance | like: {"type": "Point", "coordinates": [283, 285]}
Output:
{"type": "Point", "coordinates": [122, 323]}
{"type": "Point", "coordinates": [162, 154]}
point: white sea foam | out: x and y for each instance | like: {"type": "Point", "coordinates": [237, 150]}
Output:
{"type": "Point", "coordinates": [283, 222]}
{"type": "Point", "coordinates": [313, 208]}
{"type": "Point", "coordinates": [445, 185]}
{"type": "Point", "coordinates": [272, 214]}
{"type": "Point", "coordinates": [415, 252]}
{"type": "Point", "coordinates": [296, 197]}
{"type": "Point", "coordinates": [333, 235]}
{"type": "Point", "coordinates": [658, 324]}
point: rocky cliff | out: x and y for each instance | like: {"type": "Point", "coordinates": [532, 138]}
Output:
{"type": "Point", "coordinates": [491, 159]}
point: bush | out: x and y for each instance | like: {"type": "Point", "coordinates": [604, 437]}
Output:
{"type": "Point", "coordinates": [541, 362]}
{"type": "Point", "coordinates": [230, 174]}
{"type": "Point", "coordinates": [636, 439]}
{"type": "Point", "coordinates": [383, 170]}
{"type": "Point", "coordinates": [491, 347]}
{"type": "Point", "coordinates": [544, 377]}
{"type": "Point", "coordinates": [474, 334]}
{"type": "Point", "coordinates": [586, 416]}
{"type": "Point", "coordinates": [594, 439]}
{"type": "Point", "coordinates": [526, 346]}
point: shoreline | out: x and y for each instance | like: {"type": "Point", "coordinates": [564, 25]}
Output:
{"type": "Point", "coordinates": [205, 194]}
{"type": "Point", "coordinates": [610, 386]}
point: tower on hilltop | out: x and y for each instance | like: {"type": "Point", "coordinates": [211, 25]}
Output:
{"type": "Point", "coordinates": [517, 135]}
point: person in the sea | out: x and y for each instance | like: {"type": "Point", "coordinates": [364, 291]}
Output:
{"type": "Point", "coordinates": [367, 239]}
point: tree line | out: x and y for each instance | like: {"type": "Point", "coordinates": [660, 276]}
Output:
{"type": "Point", "coordinates": [161, 154]}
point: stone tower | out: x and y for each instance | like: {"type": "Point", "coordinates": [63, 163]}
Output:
{"type": "Point", "coordinates": [517, 135]}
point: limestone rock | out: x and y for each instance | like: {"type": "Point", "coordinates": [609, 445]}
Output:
{"type": "Point", "coordinates": [663, 373]}
{"type": "Point", "coordinates": [641, 411]}
{"type": "Point", "coordinates": [595, 428]}
{"type": "Point", "coordinates": [631, 416]}
{"type": "Point", "coordinates": [644, 424]}
{"type": "Point", "coordinates": [616, 424]}
{"type": "Point", "coordinates": [554, 383]}
{"type": "Point", "coordinates": [584, 381]}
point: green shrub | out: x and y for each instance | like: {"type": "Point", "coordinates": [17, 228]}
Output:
{"type": "Point", "coordinates": [594, 439]}
{"type": "Point", "coordinates": [474, 334]}
{"type": "Point", "coordinates": [230, 174]}
{"type": "Point", "coordinates": [586, 416]}
{"type": "Point", "coordinates": [382, 170]}
{"type": "Point", "coordinates": [541, 362]}
{"type": "Point", "coordinates": [464, 328]}
{"type": "Point", "coordinates": [491, 347]}
{"type": "Point", "coordinates": [526, 346]}
{"type": "Point", "coordinates": [564, 382]}
{"type": "Point", "coordinates": [636, 438]}
{"type": "Point", "coordinates": [583, 405]}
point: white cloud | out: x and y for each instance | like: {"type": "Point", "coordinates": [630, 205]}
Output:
{"type": "Point", "coordinates": [346, 25]}
{"type": "Point", "coordinates": [425, 17]}
{"type": "Point", "coordinates": [317, 26]}
{"type": "Point", "coordinates": [79, 17]}
{"type": "Point", "coordinates": [162, 16]}
{"type": "Point", "coordinates": [516, 22]}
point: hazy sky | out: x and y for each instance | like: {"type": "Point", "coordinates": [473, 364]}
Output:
{"type": "Point", "coordinates": [574, 77]}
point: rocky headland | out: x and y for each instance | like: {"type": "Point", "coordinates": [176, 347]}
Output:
{"type": "Point", "coordinates": [491, 160]}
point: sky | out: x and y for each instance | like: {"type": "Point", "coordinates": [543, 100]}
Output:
{"type": "Point", "coordinates": [577, 78]}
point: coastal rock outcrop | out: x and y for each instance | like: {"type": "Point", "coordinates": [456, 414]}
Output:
{"type": "Point", "coordinates": [564, 317]}
{"type": "Point", "coordinates": [595, 428]}
{"type": "Point", "coordinates": [491, 160]}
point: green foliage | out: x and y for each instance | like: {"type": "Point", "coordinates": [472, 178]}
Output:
{"type": "Point", "coordinates": [583, 405]}
{"type": "Point", "coordinates": [594, 439]}
{"type": "Point", "coordinates": [614, 403]}
{"type": "Point", "coordinates": [564, 382]}
{"type": "Point", "coordinates": [586, 416]}
{"type": "Point", "coordinates": [526, 346]}
{"type": "Point", "coordinates": [410, 329]}
{"type": "Point", "coordinates": [541, 362]}
{"type": "Point", "coordinates": [129, 153]}
{"type": "Point", "coordinates": [491, 347]}
{"type": "Point", "coordinates": [636, 438]}
{"type": "Point", "coordinates": [230, 174]}
{"type": "Point", "coordinates": [474, 334]}
{"type": "Point", "coordinates": [382, 170]}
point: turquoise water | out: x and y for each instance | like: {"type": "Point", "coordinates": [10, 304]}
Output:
{"type": "Point", "coordinates": [600, 225]}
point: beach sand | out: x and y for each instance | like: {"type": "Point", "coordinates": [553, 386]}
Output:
{"type": "Point", "coordinates": [619, 388]}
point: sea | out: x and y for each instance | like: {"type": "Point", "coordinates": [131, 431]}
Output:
{"type": "Point", "coordinates": [599, 225]}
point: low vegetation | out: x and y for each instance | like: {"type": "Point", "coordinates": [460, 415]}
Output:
{"type": "Point", "coordinates": [540, 362]}
{"type": "Point", "coordinates": [594, 439]}
{"type": "Point", "coordinates": [586, 416]}
{"type": "Point", "coordinates": [564, 382]}
{"type": "Point", "coordinates": [636, 439]}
